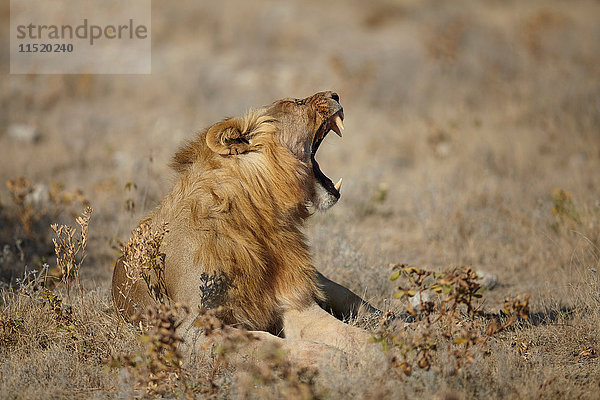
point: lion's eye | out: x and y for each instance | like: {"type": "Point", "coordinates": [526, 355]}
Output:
{"type": "Point", "coordinates": [237, 140]}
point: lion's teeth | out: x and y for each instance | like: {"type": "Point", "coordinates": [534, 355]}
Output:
{"type": "Point", "coordinates": [339, 124]}
{"type": "Point", "coordinates": [338, 185]}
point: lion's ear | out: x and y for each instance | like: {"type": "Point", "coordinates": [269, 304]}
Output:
{"type": "Point", "coordinates": [229, 137]}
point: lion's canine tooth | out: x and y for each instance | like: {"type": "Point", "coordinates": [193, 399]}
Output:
{"type": "Point", "coordinates": [339, 124]}
{"type": "Point", "coordinates": [338, 185]}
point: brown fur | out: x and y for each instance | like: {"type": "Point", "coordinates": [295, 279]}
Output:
{"type": "Point", "coordinates": [236, 213]}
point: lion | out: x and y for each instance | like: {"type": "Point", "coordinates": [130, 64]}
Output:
{"type": "Point", "coordinates": [244, 189]}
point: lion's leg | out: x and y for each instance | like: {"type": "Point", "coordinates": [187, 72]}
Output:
{"type": "Point", "coordinates": [342, 302]}
{"type": "Point", "coordinates": [255, 345]}
{"type": "Point", "coordinates": [315, 324]}
{"type": "Point", "coordinates": [129, 298]}
{"type": "Point", "coordinates": [303, 352]}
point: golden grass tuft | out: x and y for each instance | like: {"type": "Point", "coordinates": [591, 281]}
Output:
{"type": "Point", "coordinates": [144, 260]}
{"type": "Point", "coordinates": [70, 250]}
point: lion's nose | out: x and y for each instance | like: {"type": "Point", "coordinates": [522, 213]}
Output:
{"type": "Point", "coordinates": [335, 96]}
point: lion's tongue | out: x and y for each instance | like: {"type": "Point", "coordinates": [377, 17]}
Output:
{"type": "Point", "coordinates": [325, 181]}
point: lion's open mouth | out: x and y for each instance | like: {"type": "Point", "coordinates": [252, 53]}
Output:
{"type": "Point", "coordinates": [333, 123]}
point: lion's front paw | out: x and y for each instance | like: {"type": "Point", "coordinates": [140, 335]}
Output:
{"type": "Point", "coordinates": [311, 354]}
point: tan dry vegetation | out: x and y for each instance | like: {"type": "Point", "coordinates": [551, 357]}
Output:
{"type": "Point", "coordinates": [464, 120]}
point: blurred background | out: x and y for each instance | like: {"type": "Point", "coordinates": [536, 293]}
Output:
{"type": "Point", "coordinates": [472, 138]}
{"type": "Point", "coordinates": [462, 118]}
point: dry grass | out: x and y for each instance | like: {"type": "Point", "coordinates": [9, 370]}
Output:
{"type": "Point", "coordinates": [471, 139]}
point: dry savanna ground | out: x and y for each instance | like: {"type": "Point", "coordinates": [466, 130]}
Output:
{"type": "Point", "coordinates": [472, 139]}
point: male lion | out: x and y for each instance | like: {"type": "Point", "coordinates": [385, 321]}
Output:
{"type": "Point", "coordinates": [235, 215]}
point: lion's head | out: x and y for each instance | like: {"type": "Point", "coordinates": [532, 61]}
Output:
{"type": "Point", "coordinates": [277, 142]}
{"type": "Point", "coordinates": [305, 123]}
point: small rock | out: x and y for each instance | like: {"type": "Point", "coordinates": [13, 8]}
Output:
{"type": "Point", "coordinates": [23, 133]}
{"type": "Point", "coordinates": [39, 195]}
{"type": "Point", "coordinates": [123, 159]}
{"type": "Point", "coordinates": [577, 160]}
{"type": "Point", "coordinates": [415, 301]}
{"type": "Point", "coordinates": [6, 256]}
{"type": "Point", "coordinates": [488, 280]}
{"type": "Point", "coordinates": [443, 149]}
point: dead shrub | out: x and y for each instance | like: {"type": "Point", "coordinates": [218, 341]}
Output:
{"type": "Point", "coordinates": [144, 260]}
{"type": "Point", "coordinates": [457, 315]}
{"type": "Point", "coordinates": [34, 207]}
{"type": "Point", "coordinates": [157, 368]}
{"type": "Point", "coordinates": [70, 249]}
{"type": "Point", "coordinates": [270, 372]}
